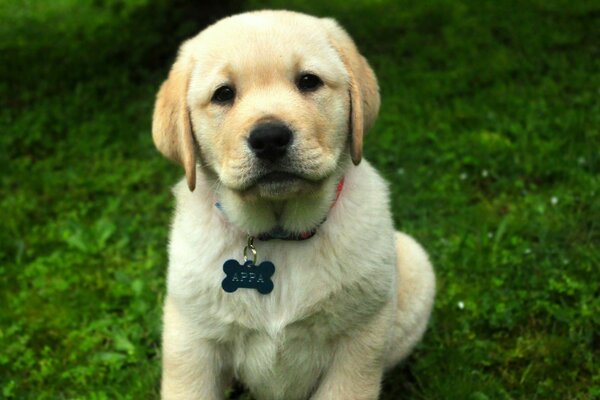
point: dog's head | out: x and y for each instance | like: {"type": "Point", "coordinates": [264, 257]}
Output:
{"type": "Point", "coordinates": [272, 102]}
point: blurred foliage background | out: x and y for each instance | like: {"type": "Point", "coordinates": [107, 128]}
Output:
{"type": "Point", "coordinates": [488, 134]}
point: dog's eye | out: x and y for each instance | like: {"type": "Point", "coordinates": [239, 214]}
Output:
{"type": "Point", "coordinates": [309, 83]}
{"type": "Point", "coordinates": [222, 95]}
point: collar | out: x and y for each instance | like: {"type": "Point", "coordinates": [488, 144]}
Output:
{"type": "Point", "coordinates": [282, 234]}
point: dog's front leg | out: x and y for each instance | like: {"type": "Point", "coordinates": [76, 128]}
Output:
{"type": "Point", "coordinates": [358, 363]}
{"type": "Point", "coordinates": [192, 367]}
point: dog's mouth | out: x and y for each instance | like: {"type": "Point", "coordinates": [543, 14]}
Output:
{"type": "Point", "coordinates": [277, 177]}
{"type": "Point", "coordinates": [280, 185]}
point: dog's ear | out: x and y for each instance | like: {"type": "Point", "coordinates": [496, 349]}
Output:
{"type": "Point", "coordinates": [364, 91]}
{"type": "Point", "coordinates": [171, 125]}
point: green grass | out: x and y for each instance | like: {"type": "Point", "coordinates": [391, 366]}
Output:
{"type": "Point", "coordinates": [488, 134]}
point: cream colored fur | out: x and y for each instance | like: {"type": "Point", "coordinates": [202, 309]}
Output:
{"type": "Point", "coordinates": [348, 303]}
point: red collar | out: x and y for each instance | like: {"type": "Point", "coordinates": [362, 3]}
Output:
{"type": "Point", "coordinates": [338, 190]}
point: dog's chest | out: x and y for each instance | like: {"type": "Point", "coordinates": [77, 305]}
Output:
{"type": "Point", "coordinates": [282, 364]}
{"type": "Point", "coordinates": [281, 345]}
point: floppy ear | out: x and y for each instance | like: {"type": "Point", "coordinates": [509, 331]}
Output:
{"type": "Point", "coordinates": [171, 125]}
{"type": "Point", "coordinates": [364, 91]}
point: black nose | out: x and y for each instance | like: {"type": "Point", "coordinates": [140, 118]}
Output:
{"type": "Point", "coordinates": [270, 140]}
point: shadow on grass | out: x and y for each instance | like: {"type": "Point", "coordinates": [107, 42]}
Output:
{"type": "Point", "coordinates": [50, 49]}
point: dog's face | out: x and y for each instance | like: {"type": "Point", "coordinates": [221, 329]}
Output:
{"type": "Point", "coordinates": [272, 101]}
{"type": "Point", "coordinates": [269, 105]}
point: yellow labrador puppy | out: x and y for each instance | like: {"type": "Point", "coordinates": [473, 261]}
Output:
{"type": "Point", "coordinates": [285, 271]}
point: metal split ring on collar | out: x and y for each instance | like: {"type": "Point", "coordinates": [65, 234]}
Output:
{"type": "Point", "coordinates": [250, 246]}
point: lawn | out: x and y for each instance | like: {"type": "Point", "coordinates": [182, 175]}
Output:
{"type": "Point", "coordinates": [489, 135]}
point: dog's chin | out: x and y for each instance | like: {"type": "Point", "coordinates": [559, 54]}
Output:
{"type": "Point", "coordinates": [280, 186]}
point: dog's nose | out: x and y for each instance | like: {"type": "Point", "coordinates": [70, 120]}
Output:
{"type": "Point", "coordinates": [270, 140]}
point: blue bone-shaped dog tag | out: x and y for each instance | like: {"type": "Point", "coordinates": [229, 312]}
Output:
{"type": "Point", "coordinates": [248, 276]}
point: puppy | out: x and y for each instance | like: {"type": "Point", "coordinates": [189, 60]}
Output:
{"type": "Point", "coordinates": [285, 271]}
